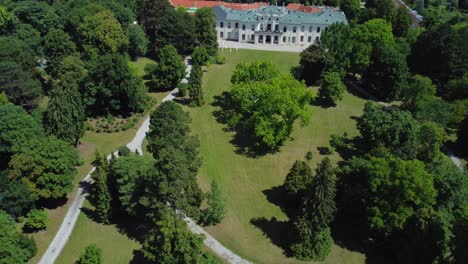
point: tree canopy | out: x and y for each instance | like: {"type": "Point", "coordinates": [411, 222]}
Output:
{"type": "Point", "coordinates": [14, 247]}
{"type": "Point", "coordinates": [267, 109]}
{"type": "Point", "coordinates": [168, 70]}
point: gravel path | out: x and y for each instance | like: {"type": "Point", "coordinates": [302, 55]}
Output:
{"type": "Point", "coordinates": [65, 231]}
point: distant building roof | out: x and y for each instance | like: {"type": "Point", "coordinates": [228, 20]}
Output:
{"type": "Point", "coordinates": [323, 15]}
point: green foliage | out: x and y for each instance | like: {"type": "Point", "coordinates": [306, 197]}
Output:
{"type": "Point", "coordinates": [101, 194]}
{"type": "Point", "coordinates": [16, 198]}
{"type": "Point", "coordinates": [170, 241]}
{"type": "Point", "coordinates": [102, 32]}
{"type": "Point", "coordinates": [351, 8]}
{"type": "Point", "coordinates": [14, 247]}
{"type": "Point", "coordinates": [195, 85]}
{"type": "Point", "coordinates": [332, 87]}
{"type": "Point", "coordinates": [255, 71]}
{"type": "Point", "coordinates": [266, 110]}
{"type": "Point", "coordinates": [430, 139]}
{"type": "Point", "coordinates": [111, 87]}
{"type": "Point", "coordinates": [4, 99]}
{"type": "Point", "coordinates": [389, 127]}
{"type": "Point", "coordinates": [401, 22]}
{"type": "Point", "coordinates": [19, 84]}
{"type": "Point", "coordinates": [436, 110]}
{"type": "Point", "coordinates": [336, 40]}
{"type": "Point", "coordinates": [16, 127]}
{"type": "Point", "coordinates": [312, 234]}
{"type": "Point", "coordinates": [439, 52]}
{"type": "Point", "coordinates": [123, 151]}
{"type": "Point", "coordinates": [456, 88]}
{"type": "Point", "coordinates": [298, 179]}
{"type": "Point", "coordinates": [215, 212]}
{"type": "Point", "coordinates": [72, 69]}
{"type": "Point", "coordinates": [316, 245]}
{"type": "Point", "coordinates": [57, 45]}
{"type": "Point", "coordinates": [463, 135]}
{"type": "Point", "coordinates": [169, 69]}
{"type": "Point", "coordinates": [8, 21]}
{"type": "Point", "coordinates": [130, 173]}
{"type": "Point", "coordinates": [419, 88]}
{"type": "Point", "coordinates": [200, 55]}
{"type": "Point", "coordinates": [138, 42]}
{"type": "Point", "coordinates": [30, 37]}
{"type": "Point", "coordinates": [183, 87]}
{"type": "Point", "coordinates": [309, 155]}
{"type": "Point", "coordinates": [65, 114]}
{"type": "Point", "coordinates": [312, 63]}
{"type": "Point", "coordinates": [36, 220]}
{"type": "Point", "coordinates": [175, 152]}
{"type": "Point", "coordinates": [366, 37]}
{"type": "Point", "coordinates": [91, 255]}
{"type": "Point", "coordinates": [46, 165]}
{"type": "Point", "coordinates": [205, 33]}
{"type": "Point", "coordinates": [39, 14]}
{"type": "Point", "coordinates": [398, 190]}
{"type": "Point", "coordinates": [387, 73]}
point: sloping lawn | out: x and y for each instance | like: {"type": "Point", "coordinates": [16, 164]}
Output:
{"type": "Point", "coordinates": [248, 183]}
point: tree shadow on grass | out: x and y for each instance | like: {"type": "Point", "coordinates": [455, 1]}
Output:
{"type": "Point", "coordinates": [90, 213]}
{"type": "Point", "coordinates": [152, 88]}
{"type": "Point", "coordinates": [279, 232]}
{"type": "Point", "coordinates": [323, 103]}
{"type": "Point", "coordinates": [182, 101]}
{"type": "Point", "coordinates": [138, 257]}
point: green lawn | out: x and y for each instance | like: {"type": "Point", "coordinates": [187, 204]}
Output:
{"type": "Point", "coordinates": [244, 180]}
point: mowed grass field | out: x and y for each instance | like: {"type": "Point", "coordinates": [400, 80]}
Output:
{"type": "Point", "coordinates": [247, 182]}
{"type": "Point", "coordinates": [86, 230]}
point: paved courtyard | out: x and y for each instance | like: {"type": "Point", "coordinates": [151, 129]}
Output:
{"type": "Point", "coordinates": [272, 47]}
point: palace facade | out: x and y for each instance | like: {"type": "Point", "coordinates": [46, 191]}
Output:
{"type": "Point", "coordinates": [275, 24]}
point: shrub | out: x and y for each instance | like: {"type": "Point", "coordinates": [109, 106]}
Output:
{"type": "Point", "coordinates": [220, 60]}
{"type": "Point", "coordinates": [309, 155]}
{"type": "Point", "coordinates": [200, 55]}
{"type": "Point", "coordinates": [91, 255]}
{"type": "Point", "coordinates": [183, 89]}
{"type": "Point", "coordinates": [337, 142]}
{"type": "Point", "coordinates": [37, 220]}
{"type": "Point", "coordinates": [123, 151]}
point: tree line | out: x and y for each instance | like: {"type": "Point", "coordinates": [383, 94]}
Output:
{"type": "Point", "coordinates": [77, 54]}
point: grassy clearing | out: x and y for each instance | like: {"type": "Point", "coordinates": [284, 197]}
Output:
{"type": "Point", "coordinates": [104, 143]}
{"type": "Point", "coordinates": [247, 182]}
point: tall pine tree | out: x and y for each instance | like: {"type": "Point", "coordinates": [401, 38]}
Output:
{"type": "Point", "coordinates": [195, 86]}
{"type": "Point", "coordinates": [205, 32]}
{"type": "Point", "coordinates": [101, 194]}
{"type": "Point", "coordinates": [312, 224]}
{"type": "Point", "coordinates": [65, 115]}
{"type": "Point", "coordinates": [215, 212]}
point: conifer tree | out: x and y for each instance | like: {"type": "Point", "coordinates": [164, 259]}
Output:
{"type": "Point", "coordinates": [101, 194]}
{"type": "Point", "coordinates": [313, 238]}
{"type": "Point", "coordinates": [195, 86]}
{"type": "Point", "coordinates": [65, 115]}
{"type": "Point", "coordinates": [215, 212]}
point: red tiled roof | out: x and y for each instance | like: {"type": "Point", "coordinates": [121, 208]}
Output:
{"type": "Point", "coordinates": [239, 6]}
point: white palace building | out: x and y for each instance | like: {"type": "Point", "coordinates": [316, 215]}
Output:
{"type": "Point", "coordinates": [275, 24]}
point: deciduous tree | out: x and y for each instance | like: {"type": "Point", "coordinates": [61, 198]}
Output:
{"type": "Point", "coordinates": [169, 69]}
{"type": "Point", "coordinates": [255, 71]}
{"type": "Point", "coordinates": [111, 87]}
{"type": "Point", "coordinates": [102, 32]}
{"type": "Point", "coordinates": [138, 42]}
{"type": "Point", "coordinates": [267, 110]}
{"type": "Point", "coordinates": [46, 164]}
{"type": "Point", "coordinates": [36, 220]}
{"type": "Point", "coordinates": [14, 247]}
{"type": "Point", "coordinates": [419, 87]}
{"type": "Point", "coordinates": [312, 63]}
{"type": "Point", "coordinates": [40, 15]}
{"type": "Point", "coordinates": [332, 87]}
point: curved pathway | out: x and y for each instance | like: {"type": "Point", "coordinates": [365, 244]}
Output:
{"type": "Point", "coordinates": [65, 231]}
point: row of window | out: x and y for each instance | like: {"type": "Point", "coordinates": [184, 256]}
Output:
{"type": "Point", "coordinates": [236, 25]}
{"type": "Point", "coordinates": [292, 39]}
